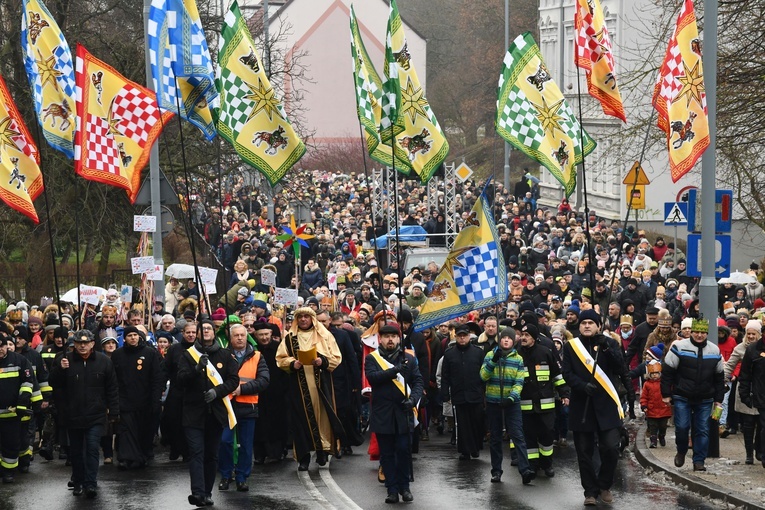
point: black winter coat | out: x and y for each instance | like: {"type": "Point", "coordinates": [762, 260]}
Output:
{"type": "Point", "coordinates": [141, 377]}
{"type": "Point", "coordinates": [461, 375]}
{"type": "Point", "coordinates": [751, 379]}
{"type": "Point", "coordinates": [346, 378]}
{"type": "Point", "coordinates": [195, 384]}
{"type": "Point", "coordinates": [387, 415]}
{"type": "Point", "coordinates": [89, 387]}
{"type": "Point", "coordinates": [602, 412]}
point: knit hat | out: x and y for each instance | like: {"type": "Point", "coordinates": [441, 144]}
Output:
{"type": "Point", "coordinates": [586, 292]}
{"type": "Point", "coordinates": [507, 332]}
{"type": "Point", "coordinates": [700, 325]}
{"type": "Point", "coordinates": [243, 292]}
{"type": "Point", "coordinates": [665, 319]}
{"type": "Point", "coordinates": [655, 352]}
{"type": "Point", "coordinates": [21, 332]}
{"type": "Point", "coordinates": [51, 322]}
{"type": "Point", "coordinates": [686, 323]}
{"type": "Point", "coordinates": [758, 303]}
{"type": "Point", "coordinates": [61, 332]}
{"type": "Point", "coordinates": [590, 315]}
{"type": "Point", "coordinates": [219, 315]}
{"type": "Point", "coordinates": [755, 325]}
{"type": "Point", "coordinates": [258, 303]}
{"type": "Point", "coordinates": [531, 330]}
{"type": "Point", "coordinates": [132, 329]}
{"type": "Point", "coordinates": [575, 310]}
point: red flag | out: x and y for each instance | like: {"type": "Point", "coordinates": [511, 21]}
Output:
{"type": "Point", "coordinates": [117, 123]}
{"type": "Point", "coordinates": [21, 181]}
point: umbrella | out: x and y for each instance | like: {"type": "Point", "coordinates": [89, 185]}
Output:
{"type": "Point", "coordinates": [180, 271]}
{"type": "Point", "coordinates": [738, 278]}
{"type": "Point", "coordinates": [71, 295]}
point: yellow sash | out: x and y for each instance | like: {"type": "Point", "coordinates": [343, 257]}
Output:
{"type": "Point", "coordinates": [399, 381]}
{"type": "Point", "coordinates": [600, 376]}
{"type": "Point", "coordinates": [216, 379]}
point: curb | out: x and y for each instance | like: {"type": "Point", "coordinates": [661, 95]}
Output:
{"type": "Point", "coordinates": [693, 483]}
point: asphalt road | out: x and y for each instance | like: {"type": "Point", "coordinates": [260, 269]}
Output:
{"type": "Point", "coordinates": [442, 482]}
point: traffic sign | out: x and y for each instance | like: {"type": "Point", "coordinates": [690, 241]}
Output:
{"type": "Point", "coordinates": [636, 175]}
{"type": "Point", "coordinates": [463, 172]}
{"type": "Point", "coordinates": [722, 255]}
{"type": "Point", "coordinates": [675, 213]}
{"type": "Point", "coordinates": [637, 196]}
{"type": "Point", "coordinates": [723, 210]}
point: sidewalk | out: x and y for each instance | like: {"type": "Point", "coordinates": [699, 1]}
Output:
{"type": "Point", "coordinates": [727, 478]}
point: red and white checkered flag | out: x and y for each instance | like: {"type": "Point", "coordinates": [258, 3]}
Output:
{"type": "Point", "coordinates": [117, 123]}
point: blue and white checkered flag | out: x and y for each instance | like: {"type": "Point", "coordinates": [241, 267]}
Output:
{"type": "Point", "coordinates": [181, 66]}
{"type": "Point", "coordinates": [474, 275]}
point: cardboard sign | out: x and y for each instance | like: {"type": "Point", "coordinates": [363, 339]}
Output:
{"type": "Point", "coordinates": [268, 277]}
{"type": "Point", "coordinates": [141, 265]}
{"type": "Point", "coordinates": [156, 273]}
{"type": "Point", "coordinates": [89, 294]}
{"type": "Point", "coordinates": [332, 281]}
{"type": "Point", "coordinates": [210, 288]}
{"type": "Point", "coordinates": [287, 297]}
{"type": "Point", "coordinates": [126, 294]}
{"type": "Point", "coordinates": [144, 223]}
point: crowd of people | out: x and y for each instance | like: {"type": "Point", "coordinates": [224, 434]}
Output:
{"type": "Point", "coordinates": [589, 330]}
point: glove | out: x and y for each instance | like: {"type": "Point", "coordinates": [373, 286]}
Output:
{"type": "Point", "coordinates": [398, 368]}
{"type": "Point", "coordinates": [203, 361]}
{"type": "Point", "coordinates": [644, 409]}
{"type": "Point", "coordinates": [210, 395]}
{"type": "Point", "coordinates": [590, 388]}
{"type": "Point", "coordinates": [497, 356]}
{"type": "Point", "coordinates": [603, 343]}
{"type": "Point", "coordinates": [407, 404]}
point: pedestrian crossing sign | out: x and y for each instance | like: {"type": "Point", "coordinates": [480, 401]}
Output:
{"type": "Point", "coordinates": [675, 213]}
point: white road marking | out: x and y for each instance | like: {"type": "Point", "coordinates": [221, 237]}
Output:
{"type": "Point", "coordinates": [326, 477]}
{"type": "Point", "coordinates": [310, 487]}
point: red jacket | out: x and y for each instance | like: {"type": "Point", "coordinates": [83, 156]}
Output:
{"type": "Point", "coordinates": [726, 347]}
{"type": "Point", "coordinates": [650, 399]}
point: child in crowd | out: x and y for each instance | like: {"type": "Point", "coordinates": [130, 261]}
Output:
{"type": "Point", "coordinates": [656, 411]}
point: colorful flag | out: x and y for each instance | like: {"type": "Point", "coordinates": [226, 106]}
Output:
{"type": "Point", "coordinates": [593, 54]}
{"type": "Point", "coordinates": [21, 181]}
{"type": "Point", "coordinates": [251, 117]}
{"type": "Point", "coordinates": [679, 96]}
{"type": "Point", "coordinates": [181, 66]}
{"type": "Point", "coordinates": [50, 70]}
{"type": "Point", "coordinates": [369, 91]}
{"type": "Point", "coordinates": [534, 117]}
{"type": "Point", "coordinates": [474, 274]}
{"type": "Point", "coordinates": [117, 123]}
{"type": "Point", "coordinates": [421, 141]}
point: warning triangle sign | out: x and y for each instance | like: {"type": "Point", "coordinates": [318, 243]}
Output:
{"type": "Point", "coordinates": [676, 215]}
{"type": "Point", "coordinates": [636, 175]}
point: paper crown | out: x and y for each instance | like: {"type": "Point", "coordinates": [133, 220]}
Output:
{"type": "Point", "coordinates": [260, 296]}
{"type": "Point", "coordinates": [37, 313]}
{"type": "Point", "coordinates": [653, 367]}
{"type": "Point", "coordinates": [700, 325]}
{"type": "Point", "coordinates": [16, 315]}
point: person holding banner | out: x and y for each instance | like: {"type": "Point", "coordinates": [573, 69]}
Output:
{"type": "Point", "coordinates": [397, 387]}
{"type": "Point", "coordinates": [208, 374]}
{"type": "Point", "coordinates": [592, 363]}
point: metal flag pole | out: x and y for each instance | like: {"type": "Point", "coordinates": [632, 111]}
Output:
{"type": "Point", "coordinates": [156, 211]}
{"type": "Point", "coordinates": [708, 284]}
{"type": "Point", "coordinates": [506, 179]}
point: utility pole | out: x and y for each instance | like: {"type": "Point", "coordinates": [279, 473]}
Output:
{"type": "Point", "coordinates": [507, 145]}
{"type": "Point", "coordinates": [156, 208]}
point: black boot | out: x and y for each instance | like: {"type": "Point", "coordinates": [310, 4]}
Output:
{"type": "Point", "coordinates": [748, 443]}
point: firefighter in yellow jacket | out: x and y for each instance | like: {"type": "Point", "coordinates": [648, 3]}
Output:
{"type": "Point", "coordinates": [17, 383]}
{"type": "Point", "coordinates": [543, 378]}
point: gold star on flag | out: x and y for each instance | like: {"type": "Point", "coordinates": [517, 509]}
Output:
{"type": "Point", "coordinates": [451, 261]}
{"type": "Point", "coordinates": [7, 134]}
{"type": "Point", "coordinates": [693, 84]}
{"type": "Point", "coordinates": [265, 100]}
{"type": "Point", "coordinates": [413, 101]}
{"type": "Point", "coordinates": [548, 116]}
{"type": "Point", "coordinates": [46, 68]}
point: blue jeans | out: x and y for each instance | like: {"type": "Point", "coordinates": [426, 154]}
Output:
{"type": "Point", "coordinates": [245, 436]}
{"type": "Point", "coordinates": [513, 422]}
{"type": "Point", "coordinates": [203, 455]}
{"type": "Point", "coordinates": [84, 451]}
{"type": "Point", "coordinates": [699, 413]}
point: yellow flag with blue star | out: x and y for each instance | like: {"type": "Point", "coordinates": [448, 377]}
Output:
{"type": "Point", "coordinates": [474, 274]}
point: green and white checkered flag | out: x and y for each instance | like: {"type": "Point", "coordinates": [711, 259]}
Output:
{"type": "Point", "coordinates": [251, 117]}
{"type": "Point", "coordinates": [391, 100]}
{"type": "Point", "coordinates": [534, 117]}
